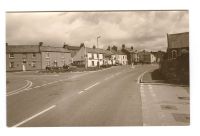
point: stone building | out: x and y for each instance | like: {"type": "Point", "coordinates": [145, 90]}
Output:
{"type": "Point", "coordinates": [35, 57]}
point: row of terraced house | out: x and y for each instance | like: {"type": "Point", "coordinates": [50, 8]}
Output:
{"type": "Point", "coordinates": [38, 57]}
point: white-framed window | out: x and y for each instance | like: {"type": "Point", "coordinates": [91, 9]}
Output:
{"type": "Point", "coordinates": [174, 54]}
{"type": "Point", "coordinates": [47, 63]}
{"type": "Point", "coordinates": [33, 64]}
{"type": "Point", "coordinates": [11, 65]}
{"type": "Point", "coordinates": [34, 55]}
{"type": "Point", "coordinates": [55, 63]}
{"type": "Point", "coordinates": [11, 55]}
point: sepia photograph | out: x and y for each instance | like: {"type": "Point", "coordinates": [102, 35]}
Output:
{"type": "Point", "coordinates": [97, 68]}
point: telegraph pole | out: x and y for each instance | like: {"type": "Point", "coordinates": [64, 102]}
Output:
{"type": "Point", "coordinates": [97, 47]}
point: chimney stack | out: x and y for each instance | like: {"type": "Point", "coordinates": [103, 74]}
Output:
{"type": "Point", "coordinates": [40, 43]}
{"type": "Point", "coordinates": [131, 47]}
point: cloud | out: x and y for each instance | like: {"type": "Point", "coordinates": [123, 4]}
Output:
{"type": "Point", "coordinates": [141, 29]}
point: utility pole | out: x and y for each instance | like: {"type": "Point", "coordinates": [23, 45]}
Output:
{"type": "Point", "coordinates": [97, 52]}
{"type": "Point", "coordinates": [85, 55]}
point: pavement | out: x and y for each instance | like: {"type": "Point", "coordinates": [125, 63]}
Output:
{"type": "Point", "coordinates": [109, 97]}
{"type": "Point", "coordinates": [164, 104]}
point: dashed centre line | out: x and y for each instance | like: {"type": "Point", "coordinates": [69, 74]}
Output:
{"type": "Point", "coordinates": [80, 92]}
{"type": "Point", "coordinates": [92, 86]}
{"type": "Point", "coordinates": [107, 78]}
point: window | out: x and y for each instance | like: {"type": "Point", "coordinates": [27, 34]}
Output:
{"type": "Point", "coordinates": [174, 54]}
{"type": "Point", "coordinates": [55, 63]}
{"type": "Point", "coordinates": [24, 55]}
{"type": "Point", "coordinates": [11, 65]}
{"type": "Point", "coordinates": [33, 64]}
{"type": "Point", "coordinates": [34, 55]}
{"type": "Point", "coordinates": [92, 56]}
{"type": "Point", "coordinates": [11, 55]}
{"type": "Point", "coordinates": [47, 63]}
{"type": "Point", "coordinates": [47, 55]}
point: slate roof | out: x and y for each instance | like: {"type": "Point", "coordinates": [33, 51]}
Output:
{"type": "Point", "coordinates": [22, 48]}
{"type": "Point", "coordinates": [53, 49]}
{"type": "Point", "coordinates": [119, 52]}
{"type": "Point", "coordinates": [33, 48]}
{"type": "Point", "coordinates": [97, 50]}
{"type": "Point", "coordinates": [73, 47]}
{"type": "Point", "coordinates": [179, 40]}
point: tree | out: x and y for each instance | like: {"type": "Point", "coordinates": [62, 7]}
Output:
{"type": "Point", "coordinates": [123, 46]}
{"type": "Point", "coordinates": [131, 47]}
{"type": "Point", "coordinates": [108, 48]}
{"type": "Point", "coordinates": [114, 48]}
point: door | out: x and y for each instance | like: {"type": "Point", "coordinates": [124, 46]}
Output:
{"type": "Point", "coordinates": [23, 67]}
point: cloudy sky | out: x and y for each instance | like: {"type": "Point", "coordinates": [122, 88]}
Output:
{"type": "Point", "coordinates": [140, 29]}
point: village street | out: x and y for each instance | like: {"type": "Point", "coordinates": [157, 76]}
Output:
{"type": "Point", "coordinates": [116, 96]}
{"type": "Point", "coordinates": [107, 97]}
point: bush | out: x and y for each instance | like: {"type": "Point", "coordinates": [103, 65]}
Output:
{"type": "Point", "coordinates": [176, 70]}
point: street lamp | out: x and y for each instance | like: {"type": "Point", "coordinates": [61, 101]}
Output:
{"type": "Point", "coordinates": [85, 55]}
{"type": "Point", "coordinates": [97, 40]}
{"type": "Point", "coordinates": [97, 47]}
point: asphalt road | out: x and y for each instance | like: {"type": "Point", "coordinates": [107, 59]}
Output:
{"type": "Point", "coordinates": [104, 98]}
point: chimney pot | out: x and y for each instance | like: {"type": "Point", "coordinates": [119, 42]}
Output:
{"type": "Point", "coordinates": [40, 43]}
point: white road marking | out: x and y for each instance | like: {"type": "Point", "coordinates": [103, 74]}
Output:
{"type": "Point", "coordinates": [80, 92]}
{"type": "Point", "coordinates": [140, 76]}
{"type": "Point", "coordinates": [28, 88]}
{"type": "Point", "coordinates": [34, 116]}
{"type": "Point", "coordinates": [27, 84]}
{"type": "Point", "coordinates": [25, 89]}
{"type": "Point", "coordinates": [36, 86]}
{"type": "Point", "coordinates": [92, 86]}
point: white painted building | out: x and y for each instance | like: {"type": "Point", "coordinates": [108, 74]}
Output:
{"type": "Point", "coordinates": [153, 58]}
{"type": "Point", "coordinates": [119, 57]}
{"type": "Point", "coordinates": [93, 57]}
